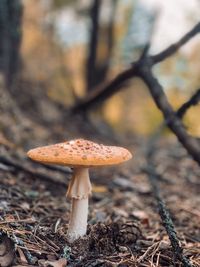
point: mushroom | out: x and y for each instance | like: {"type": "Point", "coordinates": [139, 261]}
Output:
{"type": "Point", "coordinates": [79, 154]}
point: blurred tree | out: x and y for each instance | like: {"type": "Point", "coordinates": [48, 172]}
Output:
{"type": "Point", "coordinates": [61, 3]}
{"type": "Point", "coordinates": [92, 53]}
{"type": "Point", "coordinates": [100, 44]}
{"type": "Point", "coordinates": [10, 32]}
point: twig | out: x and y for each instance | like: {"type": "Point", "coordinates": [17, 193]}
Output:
{"type": "Point", "coordinates": [31, 259]}
{"type": "Point", "coordinates": [193, 212]}
{"type": "Point", "coordinates": [194, 100]}
{"type": "Point", "coordinates": [28, 220]}
{"type": "Point", "coordinates": [147, 252]}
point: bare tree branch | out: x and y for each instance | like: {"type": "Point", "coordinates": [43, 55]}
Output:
{"type": "Point", "coordinates": [174, 123]}
{"type": "Point", "coordinates": [143, 69]}
{"type": "Point", "coordinates": [104, 91]}
{"type": "Point", "coordinates": [172, 49]}
{"type": "Point", "coordinates": [195, 98]}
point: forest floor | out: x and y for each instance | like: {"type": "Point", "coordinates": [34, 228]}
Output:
{"type": "Point", "coordinates": [124, 226]}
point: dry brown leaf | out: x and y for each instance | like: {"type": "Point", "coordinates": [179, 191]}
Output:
{"type": "Point", "coordinates": [7, 253]}
{"type": "Point", "coordinates": [58, 263]}
{"type": "Point", "coordinates": [142, 215]}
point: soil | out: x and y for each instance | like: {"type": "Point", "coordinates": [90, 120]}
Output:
{"type": "Point", "coordinates": [124, 226]}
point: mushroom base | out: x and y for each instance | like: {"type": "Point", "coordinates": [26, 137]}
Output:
{"type": "Point", "coordinates": [78, 219]}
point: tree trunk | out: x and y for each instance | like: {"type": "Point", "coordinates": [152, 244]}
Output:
{"type": "Point", "coordinates": [93, 45]}
{"type": "Point", "coordinates": [100, 36]}
{"type": "Point", "coordinates": [10, 32]}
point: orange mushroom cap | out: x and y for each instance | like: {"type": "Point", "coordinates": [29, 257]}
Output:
{"type": "Point", "coordinates": [80, 152]}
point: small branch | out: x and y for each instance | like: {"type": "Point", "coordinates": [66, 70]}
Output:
{"type": "Point", "coordinates": [194, 100]}
{"type": "Point", "coordinates": [172, 49]}
{"type": "Point", "coordinates": [29, 257]}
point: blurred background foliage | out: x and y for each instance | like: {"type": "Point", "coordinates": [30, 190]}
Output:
{"type": "Point", "coordinates": [56, 47]}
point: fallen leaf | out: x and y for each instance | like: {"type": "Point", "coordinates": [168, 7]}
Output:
{"type": "Point", "coordinates": [7, 252]}
{"type": "Point", "coordinates": [99, 189]}
{"type": "Point", "coordinates": [142, 215]}
{"type": "Point", "coordinates": [58, 263]}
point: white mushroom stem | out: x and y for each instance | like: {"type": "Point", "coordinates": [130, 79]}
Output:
{"type": "Point", "coordinates": [79, 189]}
{"type": "Point", "coordinates": [78, 219]}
